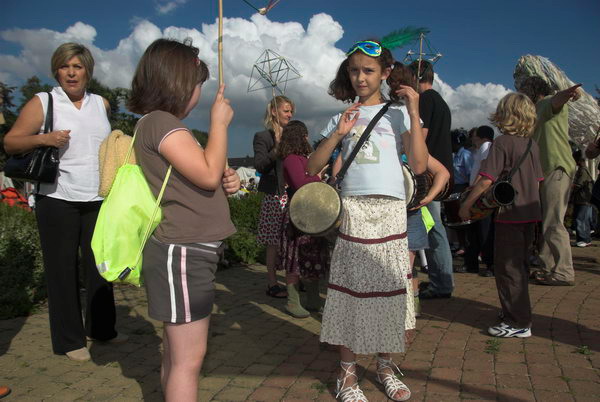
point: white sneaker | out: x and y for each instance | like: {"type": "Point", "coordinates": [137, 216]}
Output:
{"type": "Point", "coordinates": [503, 330]}
{"type": "Point", "coordinates": [582, 244]}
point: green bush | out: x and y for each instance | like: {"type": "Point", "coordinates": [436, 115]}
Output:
{"type": "Point", "coordinates": [21, 268]}
{"type": "Point", "coordinates": [242, 246]}
{"type": "Point", "coordinates": [22, 283]}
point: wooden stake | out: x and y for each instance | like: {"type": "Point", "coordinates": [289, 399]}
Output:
{"type": "Point", "coordinates": [220, 42]}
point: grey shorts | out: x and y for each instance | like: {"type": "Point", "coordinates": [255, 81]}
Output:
{"type": "Point", "coordinates": [417, 233]}
{"type": "Point", "coordinates": [179, 280]}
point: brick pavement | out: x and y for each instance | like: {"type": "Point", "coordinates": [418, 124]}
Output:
{"type": "Point", "coordinates": [257, 352]}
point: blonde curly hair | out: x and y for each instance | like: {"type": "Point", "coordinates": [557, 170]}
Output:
{"type": "Point", "coordinates": [515, 115]}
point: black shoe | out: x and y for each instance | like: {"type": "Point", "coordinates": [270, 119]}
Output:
{"type": "Point", "coordinates": [486, 273]}
{"type": "Point", "coordinates": [423, 286]}
{"type": "Point", "coordinates": [460, 270]}
{"type": "Point", "coordinates": [430, 294]}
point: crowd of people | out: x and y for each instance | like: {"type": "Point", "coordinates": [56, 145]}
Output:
{"type": "Point", "coordinates": [372, 292]}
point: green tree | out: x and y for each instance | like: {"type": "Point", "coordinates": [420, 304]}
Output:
{"type": "Point", "coordinates": [8, 117]}
{"type": "Point", "coordinates": [201, 137]}
{"type": "Point", "coordinates": [30, 88]}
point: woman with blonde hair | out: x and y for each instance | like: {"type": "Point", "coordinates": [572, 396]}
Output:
{"type": "Point", "coordinates": [266, 161]}
{"type": "Point", "coordinates": [66, 210]}
{"type": "Point", "coordinates": [515, 117]}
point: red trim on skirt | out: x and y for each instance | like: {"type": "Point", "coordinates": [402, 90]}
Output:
{"type": "Point", "coordinates": [365, 295]}
{"type": "Point", "coordinates": [372, 241]}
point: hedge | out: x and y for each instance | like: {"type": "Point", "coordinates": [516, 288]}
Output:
{"type": "Point", "coordinates": [21, 269]}
{"type": "Point", "coordinates": [242, 246]}
{"type": "Point", "coordinates": [22, 283]}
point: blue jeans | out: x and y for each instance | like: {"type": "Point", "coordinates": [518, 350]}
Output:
{"type": "Point", "coordinates": [583, 220]}
{"type": "Point", "coordinates": [439, 258]}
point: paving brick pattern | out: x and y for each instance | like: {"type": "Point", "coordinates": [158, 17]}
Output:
{"type": "Point", "coordinates": [259, 353]}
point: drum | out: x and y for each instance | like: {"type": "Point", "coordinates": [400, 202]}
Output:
{"type": "Point", "coordinates": [416, 187]}
{"type": "Point", "coordinates": [451, 208]}
{"type": "Point", "coordinates": [316, 209]}
{"type": "Point", "coordinates": [446, 191]}
{"type": "Point", "coordinates": [500, 194]}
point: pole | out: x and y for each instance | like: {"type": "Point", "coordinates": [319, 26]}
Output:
{"type": "Point", "coordinates": [419, 74]}
{"type": "Point", "coordinates": [220, 42]}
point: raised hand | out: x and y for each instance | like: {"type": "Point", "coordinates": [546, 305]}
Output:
{"type": "Point", "coordinates": [348, 120]}
{"type": "Point", "coordinates": [221, 112]}
{"type": "Point", "coordinates": [411, 97]}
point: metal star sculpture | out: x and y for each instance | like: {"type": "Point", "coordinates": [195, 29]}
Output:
{"type": "Point", "coordinates": [426, 52]}
{"type": "Point", "coordinates": [263, 10]}
{"type": "Point", "coordinates": [274, 70]}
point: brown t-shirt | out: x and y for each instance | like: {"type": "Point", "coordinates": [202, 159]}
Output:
{"type": "Point", "coordinates": [503, 155]}
{"type": "Point", "coordinates": [190, 214]}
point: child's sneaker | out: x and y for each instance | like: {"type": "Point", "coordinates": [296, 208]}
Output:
{"type": "Point", "coordinates": [582, 244]}
{"type": "Point", "coordinates": [503, 330]}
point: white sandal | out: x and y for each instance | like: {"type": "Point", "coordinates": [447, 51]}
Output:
{"type": "Point", "coordinates": [391, 383]}
{"type": "Point", "coordinates": [348, 394]}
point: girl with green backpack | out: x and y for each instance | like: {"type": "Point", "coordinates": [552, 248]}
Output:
{"type": "Point", "coordinates": [180, 258]}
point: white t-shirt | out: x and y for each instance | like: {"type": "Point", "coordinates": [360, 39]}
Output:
{"type": "Point", "coordinates": [377, 168]}
{"type": "Point", "coordinates": [78, 176]}
{"type": "Point", "coordinates": [480, 155]}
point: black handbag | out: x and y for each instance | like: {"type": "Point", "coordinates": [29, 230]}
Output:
{"type": "Point", "coordinates": [39, 165]}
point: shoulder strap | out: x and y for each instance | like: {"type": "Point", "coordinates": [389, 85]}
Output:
{"type": "Point", "coordinates": [49, 126]}
{"type": "Point", "coordinates": [364, 137]}
{"type": "Point", "coordinates": [516, 167]}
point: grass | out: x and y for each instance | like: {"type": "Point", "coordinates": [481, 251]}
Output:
{"type": "Point", "coordinates": [584, 350]}
{"type": "Point", "coordinates": [493, 346]}
{"type": "Point", "coordinates": [319, 386]}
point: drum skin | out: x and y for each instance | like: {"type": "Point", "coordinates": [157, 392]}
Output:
{"type": "Point", "coordinates": [316, 209]}
{"type": "Point", "coordinates": [410, 184]}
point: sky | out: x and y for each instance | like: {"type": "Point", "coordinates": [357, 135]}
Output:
{"type": "Point", "coordinates": [481, 42]}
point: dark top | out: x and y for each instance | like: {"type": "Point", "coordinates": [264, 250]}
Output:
{"type": "Point", "coordinates": [504, 153]}
{"type": "Point", "coordinates": [436, 117]}
{"type": "Point", "coordinates": [190, 214]}
{"type": "Point", "coordinates": [294, 172]}
{"type": "Point", "coordinates": [267, 163]}
{"type": "Point", "coordinates": [582, 186]}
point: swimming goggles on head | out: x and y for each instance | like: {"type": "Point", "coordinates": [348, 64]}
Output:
{"type": "Point", "coordinates": [368, 47]}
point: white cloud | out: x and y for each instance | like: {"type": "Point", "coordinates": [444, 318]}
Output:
{"type": "Point", "coordinates": [165, 7]}
{"type": "Point", "coordinates": [312, 51]}
{"type": "Point", "coordinates": [470, 104]}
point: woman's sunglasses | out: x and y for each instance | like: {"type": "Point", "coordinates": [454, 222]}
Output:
{"type": "Point", "coordinates": [368, 47]}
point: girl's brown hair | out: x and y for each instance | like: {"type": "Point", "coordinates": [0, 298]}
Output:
{"type": "Point", "coordinates": [273, 105]}
{"type": "Point", "coordinates": [165, 77]}
{"type": "Point", "coordinates": [341, 87]}
{"type": "Point", "coordinates": [515, 115]}
{"type": "Point", "coordinates": [294, 140]}
{"type": "Point", "coordinates": [400, 75]}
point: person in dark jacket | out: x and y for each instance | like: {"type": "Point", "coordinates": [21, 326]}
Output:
{"type": "Point", "coordinates": [266, 161]}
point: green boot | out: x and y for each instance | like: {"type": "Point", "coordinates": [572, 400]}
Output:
{"type": "Point", "coordinates": [417, 306]}
{"type": "Point", "coordinates": [313, 298]}
{"type": "Point", "coordinates": [293, 306]}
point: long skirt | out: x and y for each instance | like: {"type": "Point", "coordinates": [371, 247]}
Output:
{"type": "Point", "coordinates": [367, 309]}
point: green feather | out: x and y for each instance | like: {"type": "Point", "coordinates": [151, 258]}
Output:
{"type": "Point", "coordinates": [402, 37]}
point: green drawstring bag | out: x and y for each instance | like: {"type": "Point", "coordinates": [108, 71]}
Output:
{"type": "Point", "coordinates": [127, 218]}
{"type": "Point", "coordinates": [427, 219]}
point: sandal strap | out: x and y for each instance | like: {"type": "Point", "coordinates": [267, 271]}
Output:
{"type": "Point", "coordinates": [352, 393]}
{"type": "Point", "coordinates": [391, 383]}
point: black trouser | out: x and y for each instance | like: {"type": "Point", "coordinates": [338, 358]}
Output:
{"type": "Point", "coordinates": [511, 267]}
{"type": "Point", "coordinates": [480, 239]}
{"type": "Point", "coordinates": [66, 228]}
